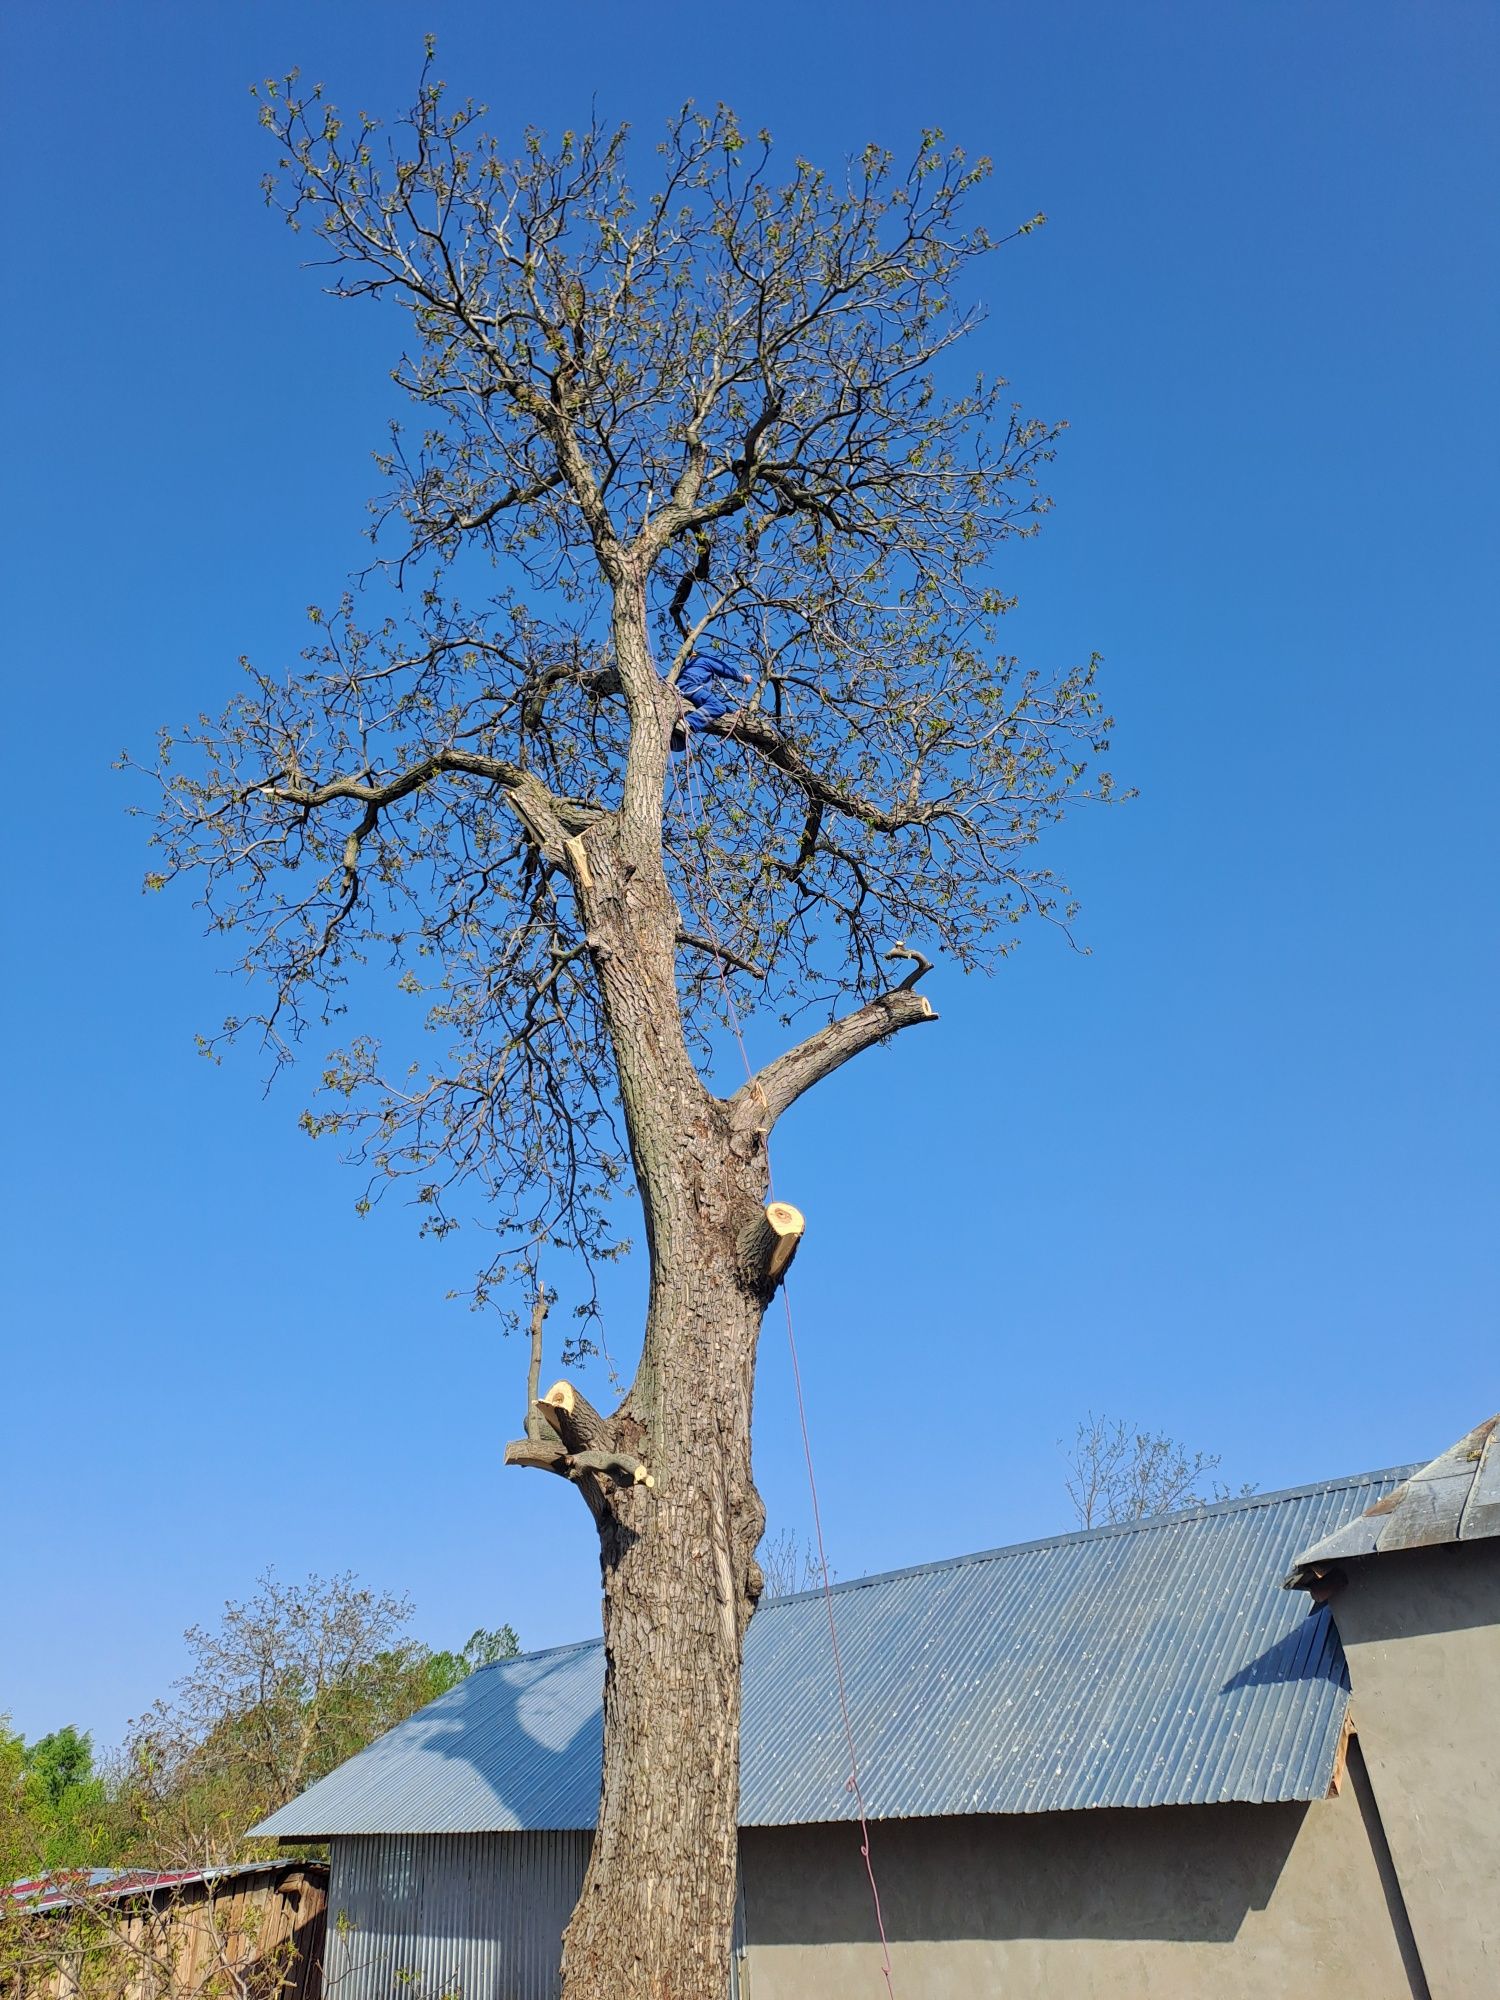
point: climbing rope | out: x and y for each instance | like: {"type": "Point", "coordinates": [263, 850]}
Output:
{"type": "Point", "coordinates": [690, 799]}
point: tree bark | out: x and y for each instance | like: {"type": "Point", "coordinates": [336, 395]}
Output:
{"type": "Point", "coordinates": [677, 1538]}
{"type": "Point", "coordinates": [656, 1914]}
{"type": "Point", "coordinates": [680, 1580]}
{"type": "Point", "coordinates": [655, 1919]}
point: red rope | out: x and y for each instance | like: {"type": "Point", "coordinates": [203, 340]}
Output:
{"type": "Point", "coordinates": [695, 802]}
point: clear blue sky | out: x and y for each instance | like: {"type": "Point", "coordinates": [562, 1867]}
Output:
{"type": "Point", "coordinates": [1233, 1174]}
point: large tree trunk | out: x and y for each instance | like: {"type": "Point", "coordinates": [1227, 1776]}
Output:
{"type": "Point", "coordinates": [680, 1581]}
{"type": "Point", "coordinates": [655, 1918]}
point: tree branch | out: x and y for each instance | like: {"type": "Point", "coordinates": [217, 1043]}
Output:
{"type": "Point", "coordinates": [720, 952]}
{"type": "Point", "coordinates": [760, 734]}
{"type": "Point", "coordinates": [545, 1456]}
{"type": "Point", "coordinates": [758, 1104]}
{"type": "Point", "coordinates": [537, 1430]}
{"type": "Point", "coordinates": [549, 820]}
{"type": "Point", "coordinates": [516, 495]}
{"type": "Point", "coordinates": [921, 965]}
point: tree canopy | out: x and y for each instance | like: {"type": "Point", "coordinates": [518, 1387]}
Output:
{"type": "Point", "coordinates": [733, 395]}
{"type": "Point", "coordinates": [676, 691]}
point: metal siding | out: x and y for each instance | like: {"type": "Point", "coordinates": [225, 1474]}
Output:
{"type": "Point", "coordinates": [1158, 1663]}
{"type": "Point", "coordinates": [442, 1917]}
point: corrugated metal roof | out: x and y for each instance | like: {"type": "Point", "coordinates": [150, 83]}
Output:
{"type": "Point", "coordinates": [64, 1887]}
{"type": "Point", "coordinates": [1151, 1664]}
{"type": "Point", "coordinates": [1454, 1499]}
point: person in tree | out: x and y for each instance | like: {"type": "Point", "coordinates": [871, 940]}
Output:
{"type": "Point", "coordinates": [709, 689]}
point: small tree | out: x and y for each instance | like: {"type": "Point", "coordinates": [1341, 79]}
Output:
{"type": "Point", "coordinates": [1118, 1473]}
{"type": "Point", "coordinates": [789, 1565]}
{"type": "Point", "coordinates": [734, 726]}
{"type": "Point", "coordinates": [294, 1680]}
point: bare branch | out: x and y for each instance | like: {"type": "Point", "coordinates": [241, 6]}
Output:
{"type": "Point", "coordinates": [758, 1104]}
{"type": "Point", "coordinates": [921, 965]}
{"type": "Point", "coordinates": [720, 952]}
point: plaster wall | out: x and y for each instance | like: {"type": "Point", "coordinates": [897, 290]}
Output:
{"type": "Point", "coordinates": [1421, 1630]}
{"type": "Point", "coordinates": [1283, 1902]}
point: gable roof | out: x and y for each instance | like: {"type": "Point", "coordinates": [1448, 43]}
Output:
{"type": "Point", "coordinates": [1456, 1498]}
{"type": "Point", "coordinates": [1156, 1663]}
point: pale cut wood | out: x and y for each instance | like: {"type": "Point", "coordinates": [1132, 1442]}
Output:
{"type": "Point", "coordinates": [770, 1243]}
{"type": "Point", "coordinates": [574, 1418]}
{"type": "Point", "coordinates": [577, 853]}
{"type": "Point", "coordinates": [786, 1225]}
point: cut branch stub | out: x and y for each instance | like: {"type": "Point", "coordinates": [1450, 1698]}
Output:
{"type": "Point", "coordinates": [574, 1418]}
{"type": "Point", "coordinates": [586, 1437]}
{"type": "Point", "coordinates": [769, 1244]}
{"type": "Point", "coordinates": [623, 1464]}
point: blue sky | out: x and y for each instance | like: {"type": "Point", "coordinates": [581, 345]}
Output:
{"type": "Point", "coordinates": [1231, 1174]}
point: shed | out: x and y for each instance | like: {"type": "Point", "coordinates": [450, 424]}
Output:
{"type": "Point", "coordinates": [1114, 1763]}
{"type": "Point", "coordinates": [254, 1930]}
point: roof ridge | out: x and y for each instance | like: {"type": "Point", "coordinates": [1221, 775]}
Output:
{"type": "Point", "coordinates": [1108, 1530]}
{"type": "Point", "coordinates": [1114, 1530]}
{"type": "Point", "coordinates": [531, 1653]}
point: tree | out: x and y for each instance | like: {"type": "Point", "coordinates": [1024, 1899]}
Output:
{"type": "Point", "coordinates": [59, 1763]}
{"type": "Point", "coordinates": [54, 1808]}
{"type": "Point", "coordinates": [707, 427]}
{"type": "Point", "coordinates": [482, 1649]}
{"type": "Point", "coordinates": [1118, 1473]}
{"type": "Point", "coordinates": [788, 1565]}
{"type": "Point", "coordinates": [296, 1679]}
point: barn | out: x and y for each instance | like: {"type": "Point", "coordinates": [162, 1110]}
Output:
{"type": "Point", "coordinates": [1124, 1762]}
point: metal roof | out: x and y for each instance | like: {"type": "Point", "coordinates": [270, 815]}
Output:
{"type": "Point", "coordinates": [1157, 1663]}
{"type": "Point", "coordinates": [63, 1887]}
{"type": "Point", "coordinates": [1454, 1499]}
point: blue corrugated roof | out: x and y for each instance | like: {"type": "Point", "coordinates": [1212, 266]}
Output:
{"type": "Point", "coordinates": [1158, 1663]}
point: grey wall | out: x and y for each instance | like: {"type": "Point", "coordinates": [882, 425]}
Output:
{"type": "Point", "coordinates": [1241, 1902]}
{"type": "Point", "coordinates": [437, 1916]}
{"type": "Point", "coordinates": [1421, 1628]}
